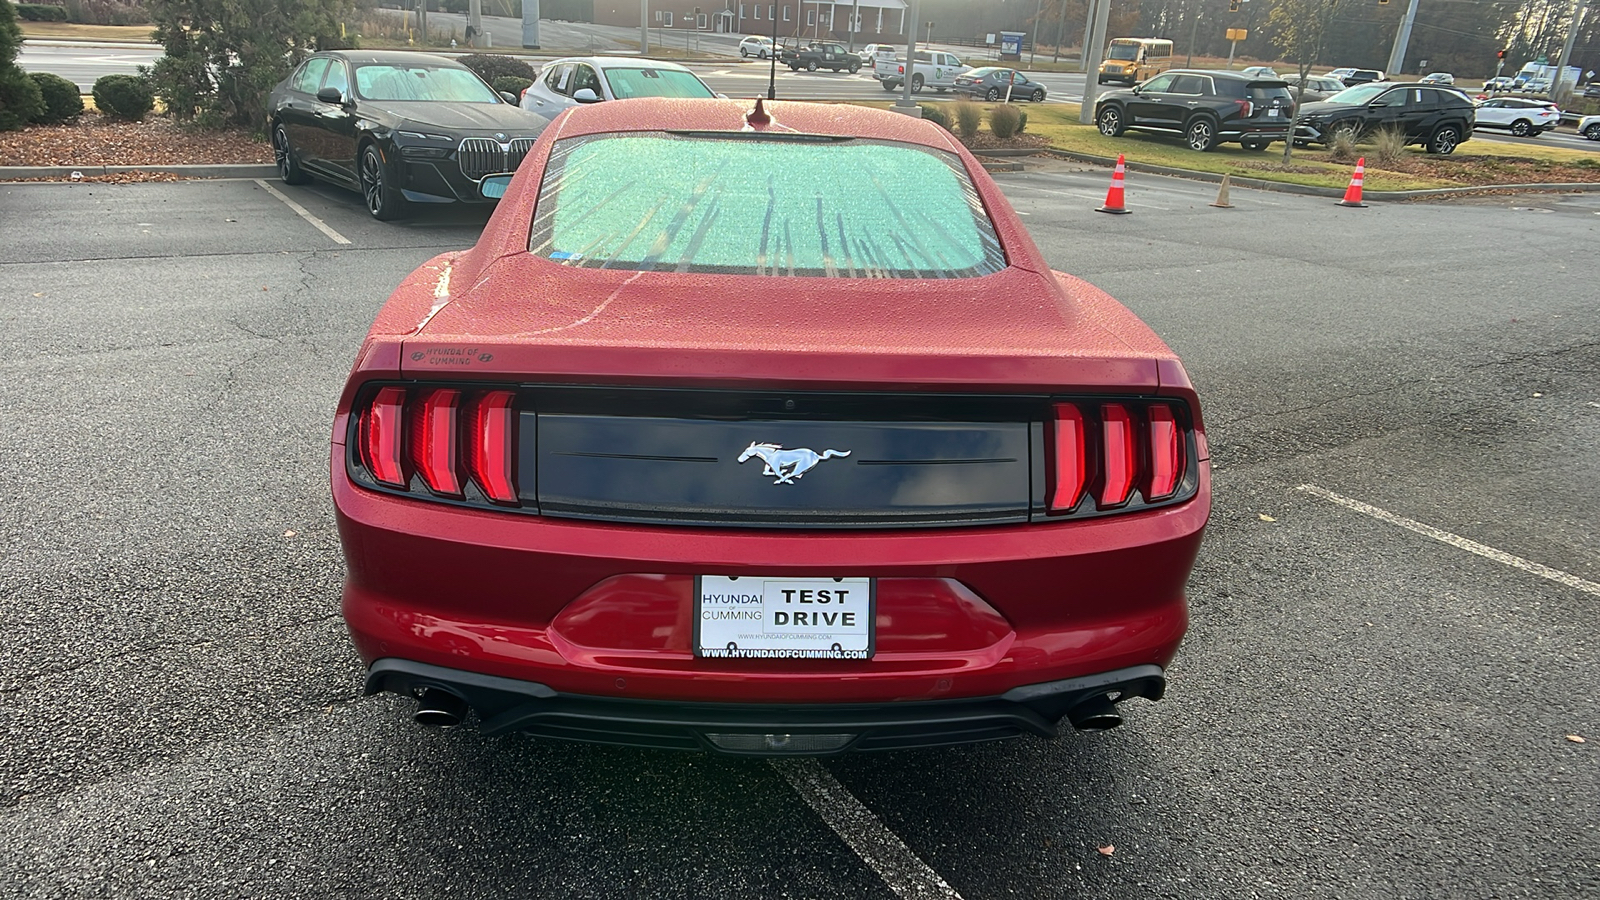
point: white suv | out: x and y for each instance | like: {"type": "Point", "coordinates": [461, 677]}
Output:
{"type": "Point", "coordinates": [757, 46]}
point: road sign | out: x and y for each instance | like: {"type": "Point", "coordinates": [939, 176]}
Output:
{"type": "Point", "coordinates": [1238, 34]}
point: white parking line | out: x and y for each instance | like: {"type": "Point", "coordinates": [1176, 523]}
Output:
{"type": "Point", "coordinates": [903, 872]}
{"type": "Point", "coordinates": [1455, 540]}
{"type": "Point", "coordinates": [304, 214]}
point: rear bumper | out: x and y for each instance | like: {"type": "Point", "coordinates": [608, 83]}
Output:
{"type": "Point", "coordinates": [1254, 133]}
{"type": "Point", "coordinates": [507, 705]}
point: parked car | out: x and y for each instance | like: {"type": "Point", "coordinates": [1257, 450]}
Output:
{"type": "Point", "coordinates": [819, 55]}
{"type": "Point", "coordinates": [1438, 78]}
{"type": "Point", "coordinates": [871, 52]}
{"type": "Point", "coordinates": [574, 80]}
{"type": "Point", "coordinates": [1536, 85]}
{"type": "Point", "coordinates": [933, 68]}
{"type": "Point", "coordinates": [1501, 83]}
{"type": "Point", "coordinates": [1205, 107]}
{"type": "Point", "coordinates": [1340, 73]}
{"type": "Point", "coordinates": [398, 127]}
{"type": "Point", "coordinates": [1523, 118]}
{"type": "Point", "coordinates": [1318, 87]}
{"type": "Point", "coordinates": [1438, 118]}
{"type": "Point", "coordinates": [992, 84]}
{"type": "Point", "coordinates": [598, 494]}
{"type": "Point", "coordinates": [1591, 90]}
{"type": "Point", "coordinates": [1589, 127]}
{"type": "Point", "coordinates": [1363, 76]}
{"type": "Point", "coordinates": [1259, 72]}
{"type": "Point", "coordinates": [759, 46]}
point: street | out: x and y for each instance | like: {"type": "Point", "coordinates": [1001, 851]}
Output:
{"type": "Point", "coordinates": [1393, 616]}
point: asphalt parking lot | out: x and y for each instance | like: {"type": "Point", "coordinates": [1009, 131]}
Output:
{"type": "Point", "coordinates": [1393, 629]}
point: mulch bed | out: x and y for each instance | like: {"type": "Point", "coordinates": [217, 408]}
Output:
{"type": "Point", "coordinates": [984, 140]}
{"type": "Point", "coordinates": [1466, 170]}
{"type": "Point", "coordinates": [95, 140]}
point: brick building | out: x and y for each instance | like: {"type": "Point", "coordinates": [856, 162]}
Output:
{"type": "Point", "coordinates": [875, 20]}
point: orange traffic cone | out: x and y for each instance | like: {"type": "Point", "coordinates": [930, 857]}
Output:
{"type": "Point", "coordinates": [1352, 194]}
{"type": "Point", "coordinates": [1114, 202]}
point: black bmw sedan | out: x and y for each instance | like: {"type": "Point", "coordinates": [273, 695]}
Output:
{"type": "Point", "coordinates": [399, 127]}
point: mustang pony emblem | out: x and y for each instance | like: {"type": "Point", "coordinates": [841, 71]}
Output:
{"type": "Point", "coordinates": [787, 465]}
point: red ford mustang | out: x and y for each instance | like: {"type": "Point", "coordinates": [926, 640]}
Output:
{"type": "Point", "coordinates": [763, 431]}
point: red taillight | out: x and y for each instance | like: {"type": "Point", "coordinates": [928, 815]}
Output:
{"type": "Point", "coordinates": [433, 441]}
{"type": "Point", "coordinates": [489, 446]}
{"type": "Point", "coordinates": [380, 436]}
{"type": "Point", "coordinates": [1166, 453]}
{"type": "Point", "coordinates": [1246, 108]}
{"type": "Point", "coordinates": [1120, 461]}
{"type": "Point", "coordinates": [1067, 446]}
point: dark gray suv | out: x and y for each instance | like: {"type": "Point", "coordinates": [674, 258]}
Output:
{"type": "Point", "coordinates": [1206, 107]}
{"type": "Point", "coordinates": [1439, 118]}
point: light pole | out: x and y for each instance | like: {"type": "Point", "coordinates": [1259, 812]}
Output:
{"type": "Point", "coordinates": [772, 58]}
{"type": "Point", "coordinates": [904, 104]}
{"type": "Point", "coordinates": [1578, 9]}
{"type": "Point", "coordinates": [1397, 56]}
{"type": "Point", "coordinates": [644, 27]}
{"type": "Point", "coordinates": [1193, 28]}
{"type": "Point", "coordinates": [1091, 55]}
{"type": "Point", "coordinates": [1038, 15]}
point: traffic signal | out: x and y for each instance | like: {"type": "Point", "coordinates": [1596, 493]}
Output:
{"type": "Point", "coordinates": [1500, 55]}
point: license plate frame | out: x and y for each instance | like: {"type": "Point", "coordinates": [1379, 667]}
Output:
{"type": "Point", "coordinates": [849, 634]}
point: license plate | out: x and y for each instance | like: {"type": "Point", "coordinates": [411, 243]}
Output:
{"type": "Point", "coordinates": [1272, 113]}
{"type": "Point", "coordinates": [756, 617]}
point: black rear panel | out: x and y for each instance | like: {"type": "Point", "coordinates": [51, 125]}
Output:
{"type": "Point", "coordinates": [672, 457]}
{"type": "Point", "coordinates": [810, 460]}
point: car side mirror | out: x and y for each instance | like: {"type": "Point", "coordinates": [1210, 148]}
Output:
{"type": "Point", "coordinates": [331, 95]}
{"type": "Point", "coordinates": [493, 187]}
{"type": "Point", "coordinates": [586, 95]}
{"type": "Point", "coordinates": [509, 97]}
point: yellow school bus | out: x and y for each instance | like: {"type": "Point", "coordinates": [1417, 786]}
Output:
{"type": "Point", "coordinates": [1132, 60]}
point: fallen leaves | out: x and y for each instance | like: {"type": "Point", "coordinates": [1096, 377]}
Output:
{"type": "Point", "coordinates": [1108, 849]}
{"type": "Point", "coordinates": [290, 533]}
{"type": "Point", "coordinates": [1576, 738]}
{"type": "Point", "coordinates": [1265, 518]}
{"type": "Point", "coordinates": [96, 141]}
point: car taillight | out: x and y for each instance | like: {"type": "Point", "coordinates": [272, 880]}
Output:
{"type": "Point", "coordinates": [900, 70]}
{"type": "Point", "coordinates": [380, 436]}
{"type": "Point", "coordinates": [1120, 460]}
{"type": "Point", "coordinates": [489, 446]}
{"type": "Point", "coordinates": [421, 431]}
{"type": "Point", "coordinates": [433, 441]}
{"type": "Point", "coordinates": [1067, 449]}
{"type": "Point", "coordinates": [1246, 108]}
{"type": "Point", "coordinates": [1118, 455]}
{"type": "Point", "coordinates": [1167, 452]}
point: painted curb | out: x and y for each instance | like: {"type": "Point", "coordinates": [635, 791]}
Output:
{"type": "Point", "coordinates": [214, 171]}
{"type": "Point", "coordinates": [1311, 190]}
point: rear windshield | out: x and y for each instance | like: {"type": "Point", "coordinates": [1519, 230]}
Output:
{"type": "Point", "coordinates": [403, 82]}
{"type": "Point", "coordinates": [1269, 91]}
{"type": "Point", "coordinates": [654, 201]}
{"type": "Point", "coordinates": [645, 82]}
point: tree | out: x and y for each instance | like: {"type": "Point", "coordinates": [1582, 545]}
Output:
{"type": "Point", "coordinates": [224, 56]}
{"type": "Point", "coordinates": [20, 100]}
{"type": "Point", "coordinates": [1301, 30]}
